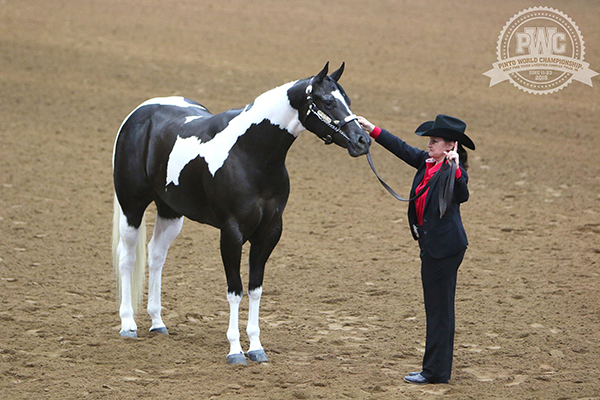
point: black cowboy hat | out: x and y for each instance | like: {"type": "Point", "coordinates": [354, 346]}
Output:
{"type": "Point", "coordinates": [446, 127]}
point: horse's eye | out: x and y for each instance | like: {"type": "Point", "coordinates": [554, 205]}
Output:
{"type": "Point", "coordinates": [329, 104]}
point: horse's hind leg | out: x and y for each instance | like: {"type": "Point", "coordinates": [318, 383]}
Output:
{"type": "Point", "coordinates": [130, 265]}
{"type": "Point", "coordinates": [134, 193]}
{"type": "Point", "coordinates": [165, 231]}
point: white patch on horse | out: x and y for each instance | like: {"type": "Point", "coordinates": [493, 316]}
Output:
{"type": "Point", "coordinates": [253, 329]}
{"type": "Point", "coordinates": [273, 106]}
{"type": "Point", "coordinates": [184, 151]}
{"type": "Point", "coordinates": [177, 101]}
{"type": "Point", "coordinates": [190, 119]}
{"type": "Point", "coordinates": [338, 95]}
{"type": "Point", "coordinates": [233, 332]}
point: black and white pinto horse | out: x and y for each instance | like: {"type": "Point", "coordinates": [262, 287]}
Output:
{"type": "Point", "coordinates": [226, 170]}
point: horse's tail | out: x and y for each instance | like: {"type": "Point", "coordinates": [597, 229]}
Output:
{"type": "Point", "coordinates": [139, 270]}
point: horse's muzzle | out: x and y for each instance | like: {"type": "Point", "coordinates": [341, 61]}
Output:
{"type": "Point", "coordinates": [359, 143]}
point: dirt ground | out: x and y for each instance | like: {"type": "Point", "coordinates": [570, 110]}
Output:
{"type": "Point", "coordinates": [342, 313]}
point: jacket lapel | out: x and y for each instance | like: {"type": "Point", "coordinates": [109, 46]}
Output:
{"type": "Point", "coordinates": [416, 181]}
{"type": "Point", "coordinates": [434, 188]}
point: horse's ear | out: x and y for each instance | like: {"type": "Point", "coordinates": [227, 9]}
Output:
{"type": "Point", "coordinates": [337, 74]}
{"type": "Point", "coordinates": [321, 75]}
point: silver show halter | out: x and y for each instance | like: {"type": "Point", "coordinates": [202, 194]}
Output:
{"type": "Point", "coordinates": [335, 125]}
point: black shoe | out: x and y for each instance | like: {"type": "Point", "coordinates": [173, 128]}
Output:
{"type": "Point", "coordinates": [416, 379]}
{"type": "Point", "coordinates": [414, 373]}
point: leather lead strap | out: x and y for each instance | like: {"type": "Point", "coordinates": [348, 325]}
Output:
{"type": "Point", "coordinates": [390, 190]}
{"type": "Point", "coordinates": [445, 194]}
{"type": "Point", "coordinates": [448, 190]}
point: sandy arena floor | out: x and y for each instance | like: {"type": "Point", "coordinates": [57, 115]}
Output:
{"type": "Point", "coordinates": [342, 313]}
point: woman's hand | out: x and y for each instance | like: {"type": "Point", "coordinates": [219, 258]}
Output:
{"type": "Point", "coordinates": [452, 155]}
{"type": "Point", "coordinates": [365, 124]}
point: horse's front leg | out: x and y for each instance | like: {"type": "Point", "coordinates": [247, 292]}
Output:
{"type": "Point", "coordinates": [231, 253]}
{"type": "Point", "coordinates": [256, 351]}
{"type": "Point", "coordinates": [260, 251]}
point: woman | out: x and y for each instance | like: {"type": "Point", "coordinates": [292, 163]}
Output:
{"type": "Point", "coordinates": [435, 222]}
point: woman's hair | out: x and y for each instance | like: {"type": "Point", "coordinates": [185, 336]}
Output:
{"type": "Point", "coordinates": [463, 156]}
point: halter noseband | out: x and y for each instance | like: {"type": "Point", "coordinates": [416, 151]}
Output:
{"type": "Point", "coordinates": [334, 125]}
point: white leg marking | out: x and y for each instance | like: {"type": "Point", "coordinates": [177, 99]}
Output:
{"type": "Point", "coordinates": [233, 333]}
{"type": "Point", "coordinates": [165, 231]}
{"type": "Point", "coordinates": [253, 329]}
{"type": "Point", "coordinates": [126, 252]}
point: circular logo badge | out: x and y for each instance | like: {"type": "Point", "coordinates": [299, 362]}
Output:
{"type": "Point", "coordinates": [540, 51]}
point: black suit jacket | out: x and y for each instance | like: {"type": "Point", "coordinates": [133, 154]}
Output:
{"type": "Point", "coordinates": [439, 237]}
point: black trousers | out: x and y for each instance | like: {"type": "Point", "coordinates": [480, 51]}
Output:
{"type": "Point", "coordinates": [439, 288]}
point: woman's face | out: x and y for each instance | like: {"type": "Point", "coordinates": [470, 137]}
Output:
{"type": "Point", "coordinates": [437, 148]}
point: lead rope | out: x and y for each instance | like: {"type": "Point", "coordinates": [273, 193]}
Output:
{"type": "Point", "coordinates": [392, 191]}
{"type": "Point", "coordinates": [445, 198]}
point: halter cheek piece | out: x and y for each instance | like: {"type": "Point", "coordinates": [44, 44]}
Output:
{"type": "Point", "coordinates": [334, 125]}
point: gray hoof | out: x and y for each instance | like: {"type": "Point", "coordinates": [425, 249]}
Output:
{"type": "Point", "coordinates": [236, 359]}
{"type": "Point", "coordinates": [162, 331]}
{"type": "Point", "coordinates": [128, 334]}
{"type": "Point", "coordinates": [258, 356]}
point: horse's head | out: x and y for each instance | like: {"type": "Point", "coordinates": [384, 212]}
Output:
{"type": "Point", "coordinates": [324, 109]}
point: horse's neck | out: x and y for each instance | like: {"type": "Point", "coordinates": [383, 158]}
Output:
{"type": "Point", "coordinates": [274, 121]}
{"type": "Point", "coordinates": [275, 106]}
